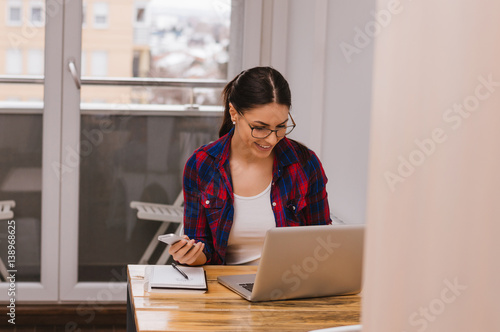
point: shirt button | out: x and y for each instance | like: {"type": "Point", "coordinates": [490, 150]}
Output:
{"type": "Point", "coordinates": [274, 203]}
{"type": "Point", "coordinates": [207, 202]}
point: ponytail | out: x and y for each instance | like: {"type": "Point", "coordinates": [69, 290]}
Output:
{"type": "Point", "coordinates": [227, 123]}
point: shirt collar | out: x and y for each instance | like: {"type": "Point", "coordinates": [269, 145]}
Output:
{"type": "Point", "coordinates": [285, 152]}
{"type": "Point", "coordinates": [220, 149]}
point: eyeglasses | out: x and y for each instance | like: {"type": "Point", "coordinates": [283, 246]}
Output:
{"type": "Point", "coordinates": [263, 132]}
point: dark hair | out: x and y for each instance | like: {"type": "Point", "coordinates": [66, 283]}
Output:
{"type": "Point", "coordinates": [254, 87]}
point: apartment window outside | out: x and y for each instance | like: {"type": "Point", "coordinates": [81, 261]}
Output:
{"type": "Point", "coordinates": [99, 63]}
{"type": "Point", "coordinates": [14, 62]}
{"type": "Point", "coordinates": [135, 63]}
{"type": "Point", "coordinates": [35, 62]}
{"type": "Point", "coordinates": [101, 15]}
{"type": "Point", "coordinates": [14, 13]}
{"type": "Point", "coordinates": [140, 14]}
{"type": "Point", "coordinates": [84, 15]}
{"type": "Point", "coordinates": [37, 14]}
{"type": "Point", "coordinates": [83, 66]}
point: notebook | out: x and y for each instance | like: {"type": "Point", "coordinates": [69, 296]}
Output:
{"type": "Point", "coordinates": [164, 278]}
{"type": "Point", "coordinates": [304, 261]}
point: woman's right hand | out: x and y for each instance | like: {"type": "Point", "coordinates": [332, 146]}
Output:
{"type": "Point", "coordinates": [188, 252]}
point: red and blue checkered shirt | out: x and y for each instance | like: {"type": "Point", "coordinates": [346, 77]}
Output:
{"type": "Point", "coordinates": [298, 193]}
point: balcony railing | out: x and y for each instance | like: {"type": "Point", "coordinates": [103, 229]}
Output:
{"type": "Point", "coordinates": [34, 107]}
{"type": "Point", "coordinates": [121, 81]}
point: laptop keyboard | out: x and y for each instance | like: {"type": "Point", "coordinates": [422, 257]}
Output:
{"type": "Point", "coordinates": [248, 286]}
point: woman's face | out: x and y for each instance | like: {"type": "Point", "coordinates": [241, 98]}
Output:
{"type": "Point", "coordinates": [270, 116]}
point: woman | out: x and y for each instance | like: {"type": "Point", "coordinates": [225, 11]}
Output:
{"type": "Point", "coordinates": [251, 179]}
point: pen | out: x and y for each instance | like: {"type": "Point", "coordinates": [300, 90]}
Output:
{"type": "Point", "coordinates": [178, 270]}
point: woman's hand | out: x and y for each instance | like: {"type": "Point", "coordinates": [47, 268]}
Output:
{"type": "Point", "coordinates": [187, 252]}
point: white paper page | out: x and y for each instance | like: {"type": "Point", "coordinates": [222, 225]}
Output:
{"type": "Point", "coordinates": [167, 276]}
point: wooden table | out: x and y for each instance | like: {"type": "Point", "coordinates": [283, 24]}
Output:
{"type": "Point", "coordinates": [222, 310]}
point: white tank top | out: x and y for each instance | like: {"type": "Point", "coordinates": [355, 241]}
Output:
{"type": "Point", "coordinates": [253, 216]}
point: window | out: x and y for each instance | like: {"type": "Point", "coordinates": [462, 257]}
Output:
{"type": "Point", "coordinates": [37, 13]}
{"type": "Point", "coordinates": [99, 63]}
{"type": "Point", "coordinates": [140, 15]}
{"type": "Point", "coordinates": [135, 64]}
{"type": "Point", "coordinates": [140, 11]}
{"type": "Point", "coordinates": [84, 15]}
{"type": "Point", "coordinates": [14, 13]}
{"type": "Point", "coordinates": [35, 62]}
{"type": "Point", "coordinates": [14, 62]}
{"type": "Point", "coordinates": [83, 64]}
{"type": "Point", "coordinates": [100, 15]}
{"type": "Point", "coordinates": [139, 152]}
{"type": "Point", "coordinates": [141, 24]}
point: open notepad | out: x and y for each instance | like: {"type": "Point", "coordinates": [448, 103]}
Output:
{"type": "Point", "coordinates": [164, 278]}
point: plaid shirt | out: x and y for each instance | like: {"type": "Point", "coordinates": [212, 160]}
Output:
{"type": "Point", "coordinates": [298, 193]}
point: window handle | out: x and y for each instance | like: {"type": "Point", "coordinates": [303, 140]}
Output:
{"type": "Point", "coordinates": [74, 73]}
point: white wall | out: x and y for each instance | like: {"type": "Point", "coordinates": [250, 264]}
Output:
{"type": "Point", "coordinates": [431, 243]}
{"type": "Point", "coordinates": [331, 93]}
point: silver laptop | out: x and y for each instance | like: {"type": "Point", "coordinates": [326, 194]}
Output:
{"type": "Point", "coordinates": [304, 261]}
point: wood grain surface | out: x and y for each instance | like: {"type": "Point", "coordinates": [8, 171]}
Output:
{"type": "Point", "coordinates": [222, 310]}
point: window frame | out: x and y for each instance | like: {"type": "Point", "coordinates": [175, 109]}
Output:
{"type": "Point", "coordinates": [60, 220]}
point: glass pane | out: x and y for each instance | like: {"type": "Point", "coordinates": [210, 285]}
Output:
{"type": "Point", "coordinates": [22, 38]}
{"type": "Point", "coordinates": [124, 159]}
{"type": "Point", "coordinates": [156, 39]}
{"type": "Point", "coordinates": [21, 181]}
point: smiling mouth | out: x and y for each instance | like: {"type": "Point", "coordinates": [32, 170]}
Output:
{"type": "Point", "coordinates": [264, 147]}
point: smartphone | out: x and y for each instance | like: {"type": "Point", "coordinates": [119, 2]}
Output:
{"type": "Point", "coordinates": [170, 238]}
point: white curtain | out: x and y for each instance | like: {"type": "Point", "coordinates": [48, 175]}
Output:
{"type": "Point", "coordinates": [433, 217]}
